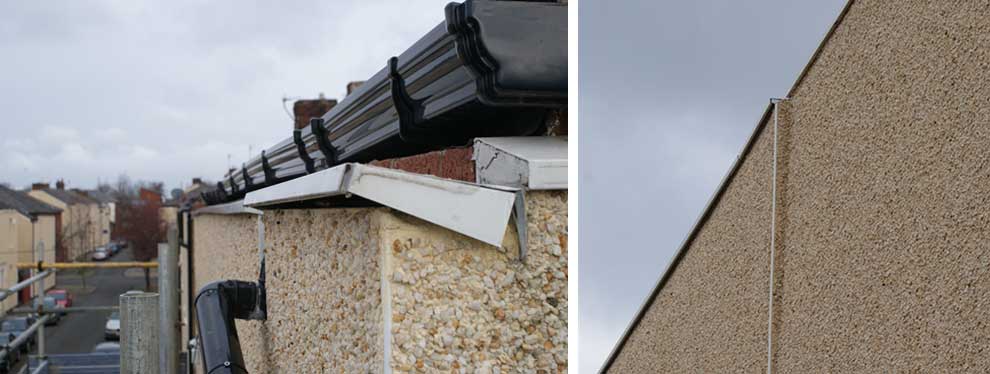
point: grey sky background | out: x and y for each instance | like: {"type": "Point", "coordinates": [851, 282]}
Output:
{"type": "Point", "coordinates": [670, 90]}
{"type": "Point", "coordinates": [165, 90]}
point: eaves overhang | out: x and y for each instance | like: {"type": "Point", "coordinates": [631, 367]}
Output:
{"type": "Point", "coordinates": [491, 68]}
{"type": "Point", "coordinates": [231, 208]}
{"type": "Point", "coordinates": [478, 211]}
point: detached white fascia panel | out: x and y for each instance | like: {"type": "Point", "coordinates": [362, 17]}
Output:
{"type": "Point", "coordinates": [329, 182]}
{"type": "Point", "coordinates": [476, 211]}
{"type": "Point", "coordinates": [234, 207]}
{"type": "Point", "coordinates": [531, 162]}
{"type": "Point", "coordinates": [470, 209]}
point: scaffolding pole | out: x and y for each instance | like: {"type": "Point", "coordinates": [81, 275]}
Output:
{"type": "Point", "coordinates": [87, 265]}
{"type": "Point", "coordinates": [168, 288]}
{"type": "Point", "coordinates": [138, 333]}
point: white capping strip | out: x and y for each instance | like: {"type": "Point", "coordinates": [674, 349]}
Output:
{"type": "Point", "coordinates": [236, 207]}
{"type": "Point", "coordinates": [531, 162]}
{"type": "Point", "coordinates": [481, 212]}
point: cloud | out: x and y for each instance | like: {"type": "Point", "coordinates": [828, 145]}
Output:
{"type": "Point", "coordinates": [166, 91]}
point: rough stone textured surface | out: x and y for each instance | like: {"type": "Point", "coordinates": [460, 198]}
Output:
{"type": "Point", "coordinates": [324, 287]}
{"type": "Point", "coordinates": [462, 306]}
{"type": "Point", "coordinates": [884, 182]}
{"type": "Point", "coordinates": [451, 303]}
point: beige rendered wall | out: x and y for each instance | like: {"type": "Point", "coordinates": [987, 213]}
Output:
{"type": "Point", "coordinates": [451, 303]}
{"type": "Point", "coordinates": [78, 234]}
{"type": "Point", "coordinates": [324, 287]}
{"type": "Point", "coordinates": [460, 305]}
{"type": "Point", "coordinates": [44, 234]}
{"type": "Point", "coordinates": [11, 239]}
{"type": "Point", "coordinates": [881, 263]}
{"type": "Point", "coordinates": [68, 227]}
{"type": "Point", "coordinates": [95, 226]}
{"type": "Point", "coordinates": [105, 210]}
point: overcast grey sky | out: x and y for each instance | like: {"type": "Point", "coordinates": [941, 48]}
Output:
{"type": "Point", "coordinates": [669, 92]}
{"type": "Point", "coordinates": [165, 90]}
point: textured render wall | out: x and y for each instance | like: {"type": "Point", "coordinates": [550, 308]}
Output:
{"type": "Point", "coordinates": [8, 252]}
{"type": "Point", "coordinates": [882, 262]}
{"type": "Point", "coordinates": [712, 315]}
{"type": "Point", "coordinates": [885, 261]}
{"type": "Point", "coordinates": [324, 287]}
{"type": "Point", "coordinates": [44, 233]}
{"type": "Point", "coordinates": [462, 306]}
{"type": "Point", "coordinates": [452, 303]}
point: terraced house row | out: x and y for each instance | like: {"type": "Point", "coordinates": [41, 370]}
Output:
{"type": "Point", "coordinates": [49, 224]}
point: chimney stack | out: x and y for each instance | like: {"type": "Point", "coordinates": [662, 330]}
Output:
{"type": "Point", "coordinates": [38, 186]}
{"type": "Point", "coordinates": [304, 110]}
{"type": "Point", "coordinates": [60, 184]}
{"type": "Point", "coordinates": [197, 181]}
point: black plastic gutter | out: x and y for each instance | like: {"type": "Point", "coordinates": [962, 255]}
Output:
{"type": "Point", "coordinates": [217, 305]}
{"type": "Point", "coordinates": [492, 68]}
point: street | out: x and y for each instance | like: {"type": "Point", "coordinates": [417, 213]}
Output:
{"type": "Point", "coordinates": [80, 332]}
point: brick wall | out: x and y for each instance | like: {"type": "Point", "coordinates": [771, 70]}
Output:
{"type": "Point", "coordinates": [453, 163]}
{"type": "Point", "coordinates": [304, 110]}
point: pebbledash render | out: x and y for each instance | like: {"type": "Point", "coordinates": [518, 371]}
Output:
{"type": "Point", "coordinates": [883, 183]}
{"type": "Point", "coordinates": [373, 289]}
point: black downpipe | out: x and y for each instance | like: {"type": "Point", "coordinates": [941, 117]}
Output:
{"type": "Point", "coordinates": [186, 240]}
{"type": "Point", "coordinates": [217, 305]}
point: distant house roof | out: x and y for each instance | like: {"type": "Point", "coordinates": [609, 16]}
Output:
{"type": "Point", "coordinates": [68, 197]}
{"type": "Point", "coordinates": [99, 196]}
{"type": "Point", "coordinates": [22, 202]}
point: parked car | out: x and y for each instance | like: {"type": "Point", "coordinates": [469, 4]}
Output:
{"type": "Point", "coordinates": [17, 325]}
{"type": "Point", "coordinates": [48, 304]}
{"type": "Point", "coordinates": [12, 357]}
{"type": "Point", "coordinates": [112, 328]}
{"type": "Point", "coordinates": [62, 297]}
{"type": "Point", "coordinates": [100, 254]}
{"type": "Point", "coordinates": [107, 347]}
{"type": "Point", "coordinates": [114, 248]}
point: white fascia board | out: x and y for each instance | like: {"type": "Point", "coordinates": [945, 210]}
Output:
{"type": "Point", "coordinates": [476, 211]}
{"type": "Point", "coordinates": [470, 209]}
{"type": "Point", "coordinates": [235, 207]}
{"type": "Point", "coordinates": [324, 183]}
{"type": "Point", "coordinates": [531, 162]}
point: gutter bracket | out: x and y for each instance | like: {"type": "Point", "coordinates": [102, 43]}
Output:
{"type": "Point", "coordinates": [519, 216]}
{"type": "Point", "coordinates": [221, 191]}
{"type": "Point", "coordinates": [301, 148]}
{"type": "Point", "coordinates": [267, 168]}
{"type": "Point", "coordinates": [410, 110]}
{"type": "Point", "coordinates": [248, 184]}
{"type": "Point", "coordinates": [329, 153]}
{"type": "Point", "coordinates": [234, 190]}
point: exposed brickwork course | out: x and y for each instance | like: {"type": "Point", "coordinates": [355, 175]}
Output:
{"type": "Point", "coordinates": [454, 163]}
{"type": "Point", "coordinates": [304, 110]}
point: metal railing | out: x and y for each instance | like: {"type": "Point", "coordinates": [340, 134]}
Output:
{"type": "Point", "coordinates": [41, 270]}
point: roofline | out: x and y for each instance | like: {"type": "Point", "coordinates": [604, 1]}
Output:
{"type": "Point", "coordinates": [713, 202]}
{"type": "Point", "coordinates": [18, 211]}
